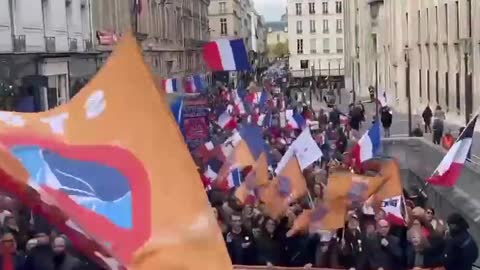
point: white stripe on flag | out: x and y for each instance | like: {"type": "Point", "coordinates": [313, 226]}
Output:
{"type": "Point", "coordinates": [458, 154]}
{"type": "Point", "coordinates": [226, 54]}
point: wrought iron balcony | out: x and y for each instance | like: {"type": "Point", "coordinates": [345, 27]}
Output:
{"type": "Point", "coordinates": [19, 43]}
{"type": "Point", "coordinates": [50, 45]}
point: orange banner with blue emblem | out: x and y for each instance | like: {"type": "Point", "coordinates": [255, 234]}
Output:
{"type": "Point", "coordinates": [112, 170]}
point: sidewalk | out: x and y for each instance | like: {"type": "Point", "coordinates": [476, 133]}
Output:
{"type": "Point", "coordinates": [400, 122]}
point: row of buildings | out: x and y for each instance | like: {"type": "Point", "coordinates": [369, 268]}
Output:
{"type": "Point", "coordinates": [238, 18]}
{"type": "Point", "coordinates": [313, 33]}
{"type": "Point", "coordinates": [49, 49]}
{"type": "Point", "coordinates": [421, 52]}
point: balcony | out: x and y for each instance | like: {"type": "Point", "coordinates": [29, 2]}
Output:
{"type": "Point", "coordinates": [72, 44]}
{"type": "Point", "coordinates": [19, 43]}
{"type": "Point", "coordinates": [50, 45]}
{"type": "Point", "coordinates": [88, 45]}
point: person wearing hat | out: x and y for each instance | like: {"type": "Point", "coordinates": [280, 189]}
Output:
{"type": "Point", "coordinates": [461, 250]}
{"type": "Point", "coordinates": [352, 253]}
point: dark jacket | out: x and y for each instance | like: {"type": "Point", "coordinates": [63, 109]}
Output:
{"type": "Point", "coordinates": [334, 117]}
{"type": "Point", "coordinates": [353, 253]}
{"type": "Point", "coordinates": [40, 257]}
{"type": "Point", "coordinates": [461, 252]}
{"type": "Point", "coordinates": [432, 256]}
{"type": "Point", "coordinates": [386, 118]}
{"type": "Point", "coordinates": [269, 250]}
{"type": "Point", "coordinates": [239, 254]}
{"type": "Point", "coordinates": [389, 257]}
{"type": "Point", "coordinates": [66, 262]}
{"type": "Point", "coordinates": [427, 115]}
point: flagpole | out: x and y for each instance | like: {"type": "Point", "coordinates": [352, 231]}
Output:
{"type": "Point", "coordinates": [421, 191]}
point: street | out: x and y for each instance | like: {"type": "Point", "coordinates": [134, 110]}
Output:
{"type": "Point", "coordinates": [400, 121]}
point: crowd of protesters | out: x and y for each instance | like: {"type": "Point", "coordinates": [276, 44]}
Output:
{"type": "Point", "coordinates": [29, 242]}
{"type": "Point", "coordinates": [368, 241]}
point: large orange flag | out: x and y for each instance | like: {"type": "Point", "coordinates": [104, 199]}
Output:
{"type": "Point", "coordinates": [112, 166]}
{"type": "Point", "coordinates": [289, 185]}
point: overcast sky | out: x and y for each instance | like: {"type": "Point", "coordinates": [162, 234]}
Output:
{"type": "Point", "coordinates": [271, 9]}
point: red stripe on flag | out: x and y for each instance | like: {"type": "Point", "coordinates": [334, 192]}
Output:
{"type": "Point", "coordinates": [449, 178]}
{"type": "Point", "coordinates": [211, 55]}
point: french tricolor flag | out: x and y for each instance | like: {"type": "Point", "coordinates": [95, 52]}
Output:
{"type": "Point", "coordinates": [172, 85]}
{"type": "Point", "coordinates": [450, 168]}
{"type": "Point", "coordinates": [194, 84]}
{"type": "Point", "coordinates": [235, 178]}
{"type": "Point", "coordinates": [368, 146]}
{"type": "Point", "coordinates": [295, 120]}
{"type": "Point", "coordinates": [226, 55]}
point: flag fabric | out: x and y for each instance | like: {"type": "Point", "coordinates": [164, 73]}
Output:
{"type": "Point", "coordinates": [172, 85]}
{"type": "Point", "coordinates": [382, 98]}
{"type": "Point", "coordinates": [194, 84]}
{"type": "Point", "coordinates": [288, 186]}
{"type": "Point", "coordinates": [225, 119]}
{"type": "Point", "coordinates": [294, 120]}
{"type": "Point", "coordinates": [450, 168]}
{"type": "Point", "coordinates": [226, 55]}
{"type": "Point", "coordinates": [304, 148]}
{"type": "Point", "coordinates": [176, 106]}
{"type": "Point", "coordinates": [368, 146]}
{"type": "Point", "coordinates": [106, 188]}
{"type": "Point", "coordinates": [394, 210]}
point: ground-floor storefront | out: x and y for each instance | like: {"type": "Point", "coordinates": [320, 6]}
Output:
{"type": "Point", "coordinates": [38, 82]}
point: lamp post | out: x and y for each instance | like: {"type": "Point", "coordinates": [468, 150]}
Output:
{"type": "Point", "coordinates": [313, 87]}
{"type": "Point", "coordinates": [407, 90]}
{"type": "Point", "coordinates": [376, 86]}
{"type": "Point", "coordinates": [357, 52]}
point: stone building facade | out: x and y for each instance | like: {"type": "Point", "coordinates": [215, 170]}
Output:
{"type": "Point", "coordinates": [435, 38]}
{"type": "Point", "coordinates": [315, 37]}
{"type": "Point", "coordinates": [174, 32]}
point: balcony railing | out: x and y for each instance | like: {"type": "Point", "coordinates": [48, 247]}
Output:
{"type": "Point", "coordinates": [72, 44]}
{"type": "Point", "coordinates": [19, 43]}
{"type": "Point", "coordinates": [88, 45]}
{"type": "Point", "coordinates": [50, 45]}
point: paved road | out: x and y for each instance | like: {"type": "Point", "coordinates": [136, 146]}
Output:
{"type": "Point", "coordinates": [400, 122]}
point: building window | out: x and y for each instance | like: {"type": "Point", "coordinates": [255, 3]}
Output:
{"type": "Point", "coordinates": [313, 46]}
{"type": "Point", "coordinates": [325, 7]}
{"type": "Point", "coordinates": [338, 7]}
{"type": "Point", "coordinates": [339, 26]}
{"type": "Point", "coordinates": [457, 18]}
{"type": "Point", "coordinates": [223, 26]}
{"type": "Point", "coordinates": [300, 46]}
{"type": "Point", "coordinates": [313, 27]}
{"type": "Point", "coordinates": [339, 45]}
{"type": "Point", "coordinates": [311, 8]}
{"type": "Point", "coordinates": [223, 7]}
{"type": "Point", "coordinates": [298, 8]}
{"type": "Point", "coordinates": [326, 45]}
{"type": "Point", "coordinates": [325, 26]}
{"type": "Point", "coordinates": [299, 27]}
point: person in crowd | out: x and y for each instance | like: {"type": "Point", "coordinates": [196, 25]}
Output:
{"type": "Point", "coordinates": [418, 223]}
{"type": "Point", "coordinates": [438, 124]}
{"type": "Point", "coordinates": [342, 141]}
{"type": "Point", "coordinates": [240, 242]}
{"type": "Point", "coordinates": [356, 115]}
{"type": "Point", "coordinates": [334, 116]}
{"type": "Point", "coordinates": [384, 252]}
{"type": "Point", "coordinates": [30, 245]}
{"type": "Point", "coordinates": [417, 131]}
{"type": "Point", "coordinates": [352, 253]}
{"type": "Point", "coordinates": [432, 219]}
{"type": "Point", "coordinates": [41, 256]}
{"type": "Point", "coordinates": [461, 250]}
{"type": "Point", "coordinates": [10, 258]}
{"type": "Point", "coordinates": [386, 118]}
{"type": "Point", "coordinates": [62, 260]}
{"type": "Point", "coordinates": [268, 244]}
{"type": "Point", "coordinates": [448, 140]}
{"type": "Point", "coordinates": [422, 253]}
{"type": "Point", "coordinates": [427, 119]}
{"type": "Point", "coordinates": [11, 226]}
